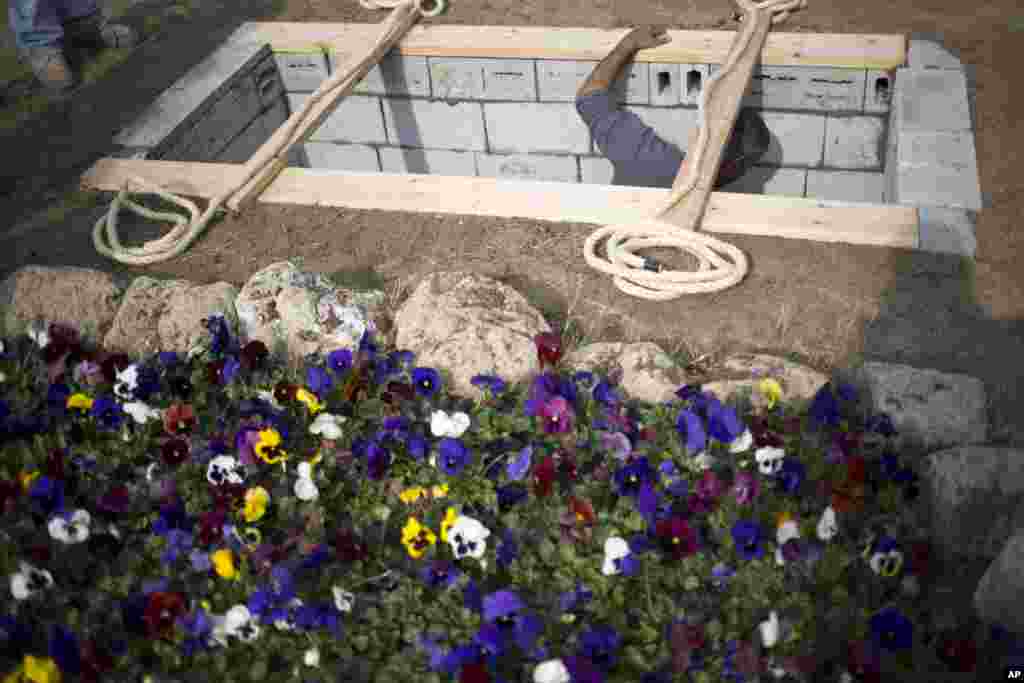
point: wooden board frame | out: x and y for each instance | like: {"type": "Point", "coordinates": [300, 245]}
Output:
{"type": "Point", "coordinates": [731, 213]}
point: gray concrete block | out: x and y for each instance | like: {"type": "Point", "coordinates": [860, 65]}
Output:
{"type": "Point", "coordinates": [356, 119]}
{"type": "Point", "coordinates": [854, 142]}
{"type": "Point", "coordinates": [302, 72]}
{"type": "Point", "coordinates": [695, 79]}
{"type": "Point", "coordinates": [208, 75]}
{"type": "Point", "coordinates": [342, 157]}
{"type": "Point", "coordinates": [791, 182]}
{"type": "Point", "coordinates": [949, 231]}
{"type": "Point", "coordinates": [666, 88]}
{"type": "Point", "coordinates": [521, 127]}
{"type": "Point", "coordinates": [932, 100]}
{"type": "Point", "coordinates": [596, 170]}
{"type": "Point", "coordinates": [930, 54]}
{"type": "Point", "coordinates": [878, 91]}
{"type": "Point", "coordinates": [428, 161]}
{"type": "Point", "coordinates": [935, 185]}
{"type": "Point", "coordinates": [803, 87]}
{"type": "Point", "coordinates": [944, 148]}
{"type": "Point", "coordinates": [848, 186]}
{"type": "Point", "coordinates": [436, 124]}
{"type": "Point", "coordinates": [559, 79]}
{"type": "Point", "coordinates": [482, 79]}
{"type": "Point", "coordinates": [395, 74]}
{"type": "Point", "coordinates": [528, 167]}
{"type": "Point", "coordinates": [798, 139]}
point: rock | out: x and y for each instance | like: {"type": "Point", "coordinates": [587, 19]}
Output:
{"type": "Point", "coordinates": [974, 495]}
{"type": "Point", "coordinates": [166, 315]}
{"type": "Point", "coordinates": [1000, 593]}
{"type": "Point", "coordinates": [469, 324]}
{"type": "Point", "coordinates": [930, 410]}
{"type": "Point", "coordinates": [304, 312]}
{"type": "Point", "coordinates": [85, 298]}
{"type": "Point", "coordinates": [744, 371]}
{"type": "Point", "coordinates": [648, 373]}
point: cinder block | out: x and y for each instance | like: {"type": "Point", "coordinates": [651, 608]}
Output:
{"type": "Point", "coordinates": [535, 127]}
{"type": "Point", "coordinates": [429, 161]}
{"type": "Point", "coordinates": [935, 185]}
{"type": "Point", "coordinates": [339, 157]}
{"type": "Point", "coordinates": [803, 87]}
{"type": "Point", "coordinates": [528, 167]}
{"type": "Point", "coordinates": [436, 124]}
{"type": "Point", "coordinates": [596, 170]}
{"type": "Point", "coordinates": [954, 149]}
{"type": "Point", "coordinates": [849, 186]}
{"type": "Point", "coordinates": [235, 109]}
{"type": "Point", "coordinates": [395, 74]}
{"type": "Point", "coordinates": [948, 231]}
{"type": "Point", "coordinates": [666, 89]}
{"type": "Point", "coordinates": [302, 72]}
{"type": "Point", "coordinates": [930, 54]}
{"type": "Point", "coordinates": [878, 89]}
{"type": "Point", "coordinates": [790, 182]}
{"type": "Point", "coordinates": [798, 139]}
{"type": "Point", "coordinates": [356, 119]}
{"type": "Point", "coordinates": [206, 76]}
{"type": "Point", "coordinates": [671, 125]}
{"type": "Point", "coordinates": [891, 169]}
{"type": "Point", "coordinates": [632, 85]}
{"type": "Point", "coordinates": [558, 80]}
{"type": "Point", "coordinates": [854, 142]}
{"type": "Point", "coordinates": [933, 100]}
{"type": "Point", "coordinates": [258, 132]}
{"type": "Point", "coordinates": [482, 79]}
{"type": "Point", "coordinates": [695, 79]}
{"type": "Point", "coordinates": [160, 118]}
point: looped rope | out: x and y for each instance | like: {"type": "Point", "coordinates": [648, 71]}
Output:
{"type": "Point", "coordinates": [639, 276]}
{"type": "Point", "coordinates": [185, 231]}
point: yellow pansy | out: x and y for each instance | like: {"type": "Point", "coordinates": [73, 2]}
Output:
{"type": "Point", "coordinates": [269, 447]}
{"type": "Point", "coordinates": [440, 491]}
{"type": "Point", "coordinates": [256, 500]}
{"type": "Point", "coordinates": [772, 390]}
{"type": "Point", "coordinates": [27, 478]}
{"type": "Point", "coordinates": [412, 495]}
{"type": "Point", "coordinates": [449, 518]}
{"type": "Point", "coordinates": [224, 563]}
{"type": "Point", "coordinates": [417, 538]}
{"type": "Point", "coordinates": [79, 401]}
{"type": "Point", "coordinates": [41, 670]}
{"type": "Point", "coordinates": [310, 399]}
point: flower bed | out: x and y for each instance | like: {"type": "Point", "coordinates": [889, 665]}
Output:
{"type": "Point", "coordinates": [223, 517]}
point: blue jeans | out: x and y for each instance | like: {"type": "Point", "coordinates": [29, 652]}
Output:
{"type": "Point", "coordinates": [38, 23]}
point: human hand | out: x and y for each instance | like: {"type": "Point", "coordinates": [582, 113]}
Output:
{"type": "Point", "coordinates": [644, 37]}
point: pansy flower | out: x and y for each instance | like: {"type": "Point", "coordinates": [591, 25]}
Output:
{"type": "Point", "coordinates": [417, 538]}
{"type": "Point", "coordinates": [676, 535]}
{"type": "Point", "coordinates": [745, 488]}
{"type": "Point", "coordinates": [467, 538]}
{"type": "Point", "coordinates": [238, 623]}
{"type": "Point", "coordinates": [427, 381]}
{"type": "Point", "coordinates": [29, 581]}
{"type": "Point", "coordinates": [70, 527]}
{"type": "Point", "coordinates": [891, 630]}
{"type": "Point", "coordinates": [492, 383]}
{"type": "Point", "coordinates": [746, 537]}
{"type": "Point", "coordinates": [577, 520]}
{"type": "Point", "coordinates": [224, 469]}
{"type": "Point", "coordinates": [256, 500]}
{"type": "Point", "coordinates": [452, 426]}
{"type": "Point", "coordinates": [440, 574]}
{"type": "Point", "coordinates": [549, 348]}
{"type": "Point", "coordinates": [885, 557]}
{"type": "Point", "coordinates": [269, 449]}
{"type": "Point", "coordinates": [629, 478]}
{"type": "Point", "coordinates": [163, 609]}
{"type": "Point", "coordinates": [453, 456]}
{"type": "Point", "coordinates": [556, 415]}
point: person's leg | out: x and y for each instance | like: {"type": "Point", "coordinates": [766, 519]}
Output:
{"type": "Point", "coordinates": [36, 23]}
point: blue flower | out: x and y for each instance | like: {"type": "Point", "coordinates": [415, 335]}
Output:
{"type": "Point", "coordinates": [178, 542]}
{"type": "Point", "coordinates": [881, 424]}
{"type": "Point", "coordinates": [426, 381]}
{"type": "Point", "coordinates": [107, 412]}
{"type": "Point", "coordinates": [63, 648]}
{"type": "Point", "coordinates": [583, 378]}
{"type": "Point", "coordinates": [440, 574]}
{"type": "Point", "coordinates": [501, 604]}
{"type": "Point", "coordinates": [507, 550]}
{"type": "Point", "coordinates": [690, 428]}
{"type": "Point", "coordinates": [367, 346]}
{"type": "Point", "coordinates": [200, 561]}
{"type": "Point", "coordinates": [168, 359]}
{"type": "Point", "coordinates": [436, 653]}
{"type": "Point", "coordinates": [723, 423]}
{"type": "Point", "coordinates": [453, 457]}
{"type": "Point", "coordinates": [48, 493]}
{"type": "Point", "coordinates": [377, 461]}
{"type": "Point", "coordinates": [198, 627]}
{"type": "Point", "coordinates": [630, 478]}
{"type": "Point", "coordinates": [791, 475]}
{"type": "Point", "coordinates": [747, 538]}
{"type": "Point", "coordinates": [518, 468]}
{"type": "Point", "coordinates": [510, 495]}
{"type": "Point", "coordinates": [402, 359]}
{"type": "Point", "coordinates": [824, 410]}
{"type": "Point", "coordinates": [492, 383]}
{"type": "Point", "coordinates": [147, 383]}
{"type": "Point", "coordinates": [416, 446]}
{"type": "Point", "coordinates": [319, 381]}
{"type": "Point", "coordinates": [384, 368]}
{"type": "Point", "coordinates": [891, 630]}
{"type": "Point", "coordinates": [600, 645]}
{"type": "Point", "coordinates": [575, 599]}
{"type": "Point", "coordinates": [339, 361]}
{"type": "Point", "coordinates": [606, 394]}
{"type": "Point", "coordinates": [230, 369]}
{"type": "Point", "coordinates": [471, 598]}
{"type": "Point", "coordinates": [647, 502]}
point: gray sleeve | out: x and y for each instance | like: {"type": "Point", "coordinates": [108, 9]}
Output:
{"type": "Point", "coordinates": [622, 136]}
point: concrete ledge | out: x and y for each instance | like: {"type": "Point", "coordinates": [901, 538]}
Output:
{"type": "Point", "coordinates": [948, 231]}
{"type": "Point", "coordinates": [432, 161]}
{"type": "Point", "coordinates": [925, 51]}
{"type": "Point", "coordinates": [851, 186]}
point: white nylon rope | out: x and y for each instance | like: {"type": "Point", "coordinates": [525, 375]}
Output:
{"type": "Point", "coordinates": [625, 239]}
{"type": "Point", "coordinates": [185, 231]}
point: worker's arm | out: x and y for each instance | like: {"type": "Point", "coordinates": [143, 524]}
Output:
{"type": "Point", "coordinates": [605, 73]}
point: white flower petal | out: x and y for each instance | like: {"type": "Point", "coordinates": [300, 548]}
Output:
{"type": "Point", "coordinates": [305, 470]}
{"type": "Point", "coordinates": [141, 412]}
{"type": "Point", "coordinates": [37, 333]}
{"type": "Point", "coordinates": [770, 630]}
{"type": "Point", "coordinates": [551, 671]}
{"type": "Point", "coordinates": [615, 548]}
{"type": "Point", "coordinates": [311, 657]}
{"type": "Point", "coordinates": [828, 527]}
{"type": "Point", "coordinates": [459, 424]}
{"type": "Point", "coordinates": [305, 489]}
{"type": "Point", "coordinates": [327, 426]}
{"type": "Point", "coordinates": [343, 600]}
{"type": "Point", "coordinates": [742, 442]}
{"type": "Point", "coordinates": [787, 532]}
{"type": "Point", "coordinates": [236, 617]}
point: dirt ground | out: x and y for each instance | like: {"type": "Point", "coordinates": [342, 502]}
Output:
{"type": "Point", "coordinates": [828, 303]}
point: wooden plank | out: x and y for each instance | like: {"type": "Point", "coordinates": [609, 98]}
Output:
{"type": "Point", "coordinates": [851, 50]}
{"type": "Point", "coordinates": [731, 213]}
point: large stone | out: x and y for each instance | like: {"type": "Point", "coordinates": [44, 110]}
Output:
{"type": "Point", "coordinates": [85, 298]}
{"type": "Point", "coordinates": [167, 315]}
{"type": "Point", "coordinates": [304, 313]}
{"type": "Point", "coordinates": [469, 324]}
{"type": "Point", "coordinates": [930, 410]}
{"type": "Point", "coordinates": [648, 373]}
{"type": "Point", "coordinates": [745, 371]}
{"type": "Point", "coordinates": [974, 497]}
{"type": "Point", "coordinates": [1000, 593]}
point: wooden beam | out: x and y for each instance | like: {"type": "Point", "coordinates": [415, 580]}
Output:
{"type": "Point", "coordinates": [738, 214]}
{"type": "Point", "coordinates": [851, 50]}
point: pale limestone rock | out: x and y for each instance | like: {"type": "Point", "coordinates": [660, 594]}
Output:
{"type": "Point", "coordinates": [743, 371]}
{"type": "Point", "coordinates": [648, 373]}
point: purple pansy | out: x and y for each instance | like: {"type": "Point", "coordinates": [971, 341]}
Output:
{"type": "Point", "coordinates": [453, 456]}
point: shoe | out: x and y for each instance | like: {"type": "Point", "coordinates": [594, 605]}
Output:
{"type": "Point", "coordinates": [750, 140]}
{"type": "Point", "coordinates": [93, 32]}
{"type": "Point", "coordinates": [50, 67]}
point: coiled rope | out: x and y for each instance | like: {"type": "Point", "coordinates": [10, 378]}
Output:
{"type": "Point", "coordinates": [630, 272]}
{"type": "Point", "coordinates": [185, 231]}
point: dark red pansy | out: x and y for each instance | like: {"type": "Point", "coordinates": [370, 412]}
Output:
{"type": "Point", "coordinates": [348, 547]}
{"type": "Point", "coordinates": [474, 673]}
{"type": "Point", "coordinates": [544, 477]}
{"type": "Point", "coordinates": [549, 348]}
{"type": "Point", "coordinates": [285, 392]}
{"type": "Point", "coordinates": [55, 464]}
{"type": "Point", "coordinates": [959, 654]}
{"type": "Point", "coordinates": [254, 355]}
{"type": "Point", "coordinates": [163, 608]}
{"type": "Point", "coordinates": [174, 452]}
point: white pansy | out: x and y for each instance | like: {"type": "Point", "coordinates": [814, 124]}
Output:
{"type": "Point", "coordinates": [37, 333]}
{"type": "Point", "coordinates": [828, 527]}
{"type": "Point", "coordinates": [786, 532]}
{"type": "Point", "coordinates": [454, 426]}
{"type": "Point", "coordinates": [268, 396]}
{"type": "Point", "coordinates": [305, 489]}
{"type": "Point", "coordinates": [742, 442]}
{"type": "Point", "coordinates": [29, 581]}
{"type": "Point", "coordinates": [305, 470]}
{"type": "Point", "coordinates": [237, 623]}
{"type": "Point", "coordinates": [127, 381]}
{"type": "Point", "coordinates": [224, 468]}
{"type": "Point", "coordinates": [343, 599]}
{"type": "Point", "coordinates": [70, 528]}
{"type": "Point", "coordinates": [770, 630]}
{"type": "Point", "coordinates": [615, 548]}
{"type": "Point", "coordinates": [328, 426]}
{"type": "Point", "coordinates": [141, 412]}
{"type": "Point", "coordinates": [311, 657]}
{"type": "Point", "coordinates": [769, 459]}
{"type": "Point", "coordinates": [551, 671]}
{"type": "Point", "coordinates": [468, 538]}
